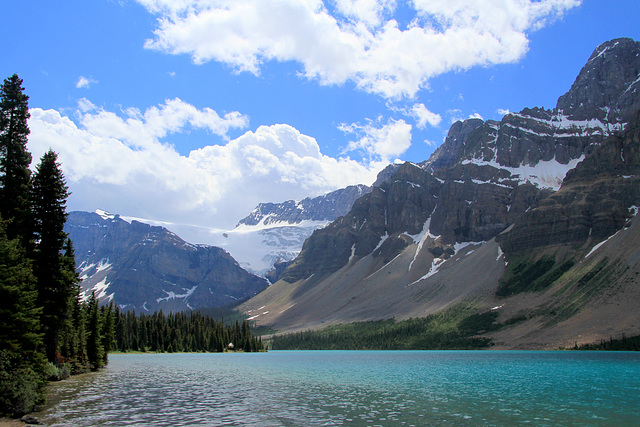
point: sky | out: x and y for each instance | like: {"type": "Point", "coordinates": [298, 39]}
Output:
{"type": "Point", "coordinates": [195, 111]}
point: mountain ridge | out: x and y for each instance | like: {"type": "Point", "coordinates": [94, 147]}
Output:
{"type": "Point", "coordinates": [409, 247]}
{"type": "Point", "coordinates": [143, 267]}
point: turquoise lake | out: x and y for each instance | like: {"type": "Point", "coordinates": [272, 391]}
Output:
{"type": "Point", "coordinates": [359, 388]}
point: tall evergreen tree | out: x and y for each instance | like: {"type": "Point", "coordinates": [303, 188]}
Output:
{"type": "Point", "coordinates": [95, 349]}
{"type": "Point", "coordinates": [21, 363]}
{"type": "Point", "coordinates": [56, 285]}
{"type": "Point", "coordinates": [14, 160]}
{"type": "Point", "coordinates": [108, 332]}
{"type": "Point", "coordinates": [20, 317]}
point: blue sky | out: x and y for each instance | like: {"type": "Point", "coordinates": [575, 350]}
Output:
{"type": "Point", "coordinates": [194, 111]}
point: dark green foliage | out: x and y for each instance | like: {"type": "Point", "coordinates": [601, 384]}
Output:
{"type": "Point", "coordinates": [180, 332]}
{"type": "Point", "coordinates": [55, 283]}
{"type": "Point", "coordinates": [523, 275]}
{"type": "Point", "coordinates": [21, 363]}
{"type": "Point", "coordinates": [451, 329]}
{"type": "Point", "coordinates": [95, 348]}
{"type": "Point", "coordinates": [21, 384]}
{"type": "Point", "coordinates": [20, 325]}
{"type": "Point", "coordinates": [621, 344]}
{"type": "Point", "coordinates": [15, 160]}
{"type": "Point", "coordinates": [46, 331]}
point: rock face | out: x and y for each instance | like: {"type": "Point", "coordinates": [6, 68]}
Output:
{"type": "Point", "coordinates": [607, 87]}
{"type": "Point", "coordinates": [426, 237]}
{"type": "Point", "coordinates": [485, 175]}
{"type": "Point", "coordinates": [141, 267]}
{"type": "Point", "coordinates": [596, 200]}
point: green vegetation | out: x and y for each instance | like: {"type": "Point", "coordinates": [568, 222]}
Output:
{"type": "Point", "coordinates": [181, 332]}
{"type": "Point", "coordinates": [621, 344]}
{"type": "Point", "coordinates": [47, 331]}
{"type": "Point", "coordinates": [588, 282]}
{"type": "Point", "coordinates": [454, 328]}
{"type": "Point", "coordinates": [523, 275]}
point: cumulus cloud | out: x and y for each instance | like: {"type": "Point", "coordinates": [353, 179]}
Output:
{"type": "Point", "coordinates": [382, 143]}
{"type": "Point", "coordinates": [353, 40]}
{"type": "Point", "coordinates": [84, 82]}
{"type": "Point", "coordinates": [124, 163]}
{"type": "Point", "coordinates": [423, 116]}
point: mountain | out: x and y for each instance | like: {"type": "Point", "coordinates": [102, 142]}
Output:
{"type": "Point", "coordinates": [500, 217]}
{"type": "Point", "coordinates": [141, 267]}
{"type": "Point", "coordinates": [323, 208]}
{"type": "Point", "coordinates": [273, 233]}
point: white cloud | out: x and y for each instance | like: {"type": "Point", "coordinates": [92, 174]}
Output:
{"type": "Point", "coordinates": [357, 40]}
{"type": "Point", "coordinates": [84, 82]}
{"type": "Point", "coordinates": [125, 163]}
{"type": "Point", "coordinates": [475, 116]}
{"type": "Point", "coordinates": [382, 143]}
{"type": "Point", "coordinates": [503, 112]}
{"type": "Point", "coordinates": [423, 116]}
{"type": "Point", "coordinates": [144, 129]}
{"type": "Point", "coordinates": [369, 12]}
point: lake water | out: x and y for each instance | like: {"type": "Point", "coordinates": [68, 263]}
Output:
{"type": "Point", "coordinates": [359, 388]}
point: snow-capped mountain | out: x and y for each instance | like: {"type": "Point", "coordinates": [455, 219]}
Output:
{"type": "Point", "coordinates": [441, 232]}
{"type": "Point", "coordinates": [142, 267]}
{"type": "Point", "coordinates": [273, 232]}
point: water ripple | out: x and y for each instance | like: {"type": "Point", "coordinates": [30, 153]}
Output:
{"type": "Point", "coordinates": [353, 388]}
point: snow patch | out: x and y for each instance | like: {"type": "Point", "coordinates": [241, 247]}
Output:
{"type": "Point", "coordinates": [100, 290]}
{"type": "Point", "coordinates": [173, 295]}
{"type": "Point", "coordinates": [382, 239]}
{"type": "Point", "coordinates": [105, 215]}
{"type": "Point", "coordinates": [353, 253]}
{"type": "Point", "coordinates": [596, 247]}
{"type": "Point", "coordinates": [545, 174]}
{"type": "Point", "coordinates": [433, 270]}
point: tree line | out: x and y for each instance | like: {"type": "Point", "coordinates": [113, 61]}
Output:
{"type": "Point", "coordinates": [181, 332]}
{"type": "Point", "coordinates": [454, 328]}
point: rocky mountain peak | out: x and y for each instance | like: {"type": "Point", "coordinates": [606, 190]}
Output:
{"type": "Point", "coordinates": [322, 208]}
{"type": "Point", "coordinates": [449, 152]}
{"type": "Point", "coordinates": [607, 86]}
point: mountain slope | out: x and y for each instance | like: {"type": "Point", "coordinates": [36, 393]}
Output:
{"type": "Point", "coordinates": [425, 240]}
{"type": "Point", "coordinates": [141, 267]}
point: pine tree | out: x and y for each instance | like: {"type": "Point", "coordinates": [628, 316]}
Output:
{"type": "Point", "coordinates": [95, 349]}
{"type": "Point", "coordinates": [21, 363]}
{"type": "Point", "coordinates": [108, 332]}
{"type": "Point", "coordinates": [20, 325]}
{"type": "Point", "coordinates": [15, 160]}
{"type": "Point", "coordinates": [56, 283]}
